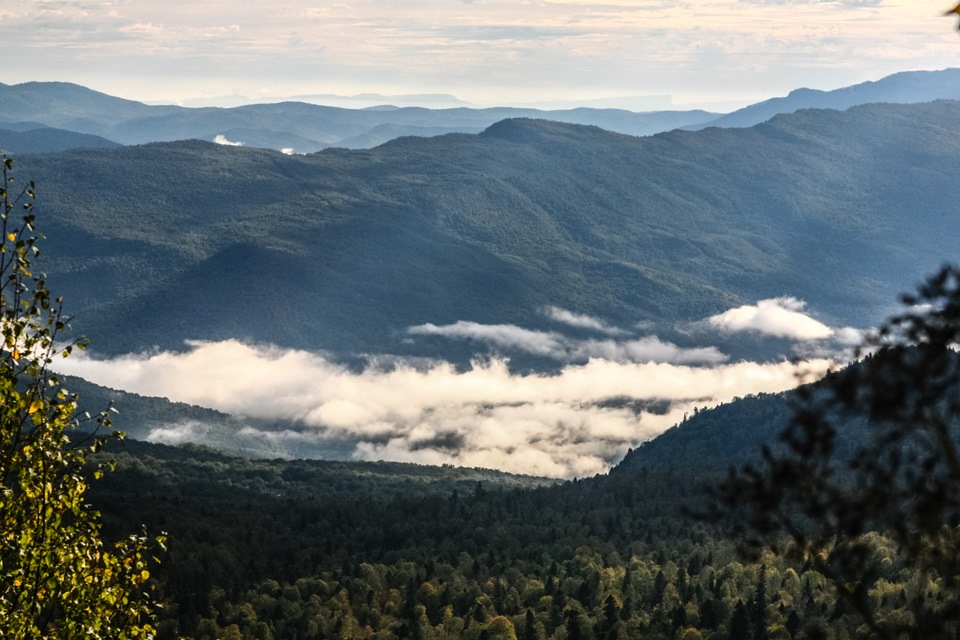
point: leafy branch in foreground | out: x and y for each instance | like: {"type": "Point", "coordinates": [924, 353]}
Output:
{"type": "Point", "coordinates": [874, 448]}
{"type": "Point", "coordinates": [58, 579]}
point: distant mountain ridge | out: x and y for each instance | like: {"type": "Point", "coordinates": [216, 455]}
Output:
{"type": "Point", "coordinates": [299, 127]}
{"type": "Point", "coordinates": [296, 126]}
{"type": "Point", "coordinates": [356, 101]}
{"type": "Point", "coordinates": [901, 88]}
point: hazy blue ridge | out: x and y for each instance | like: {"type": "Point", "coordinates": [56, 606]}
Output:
{"type": "Point", "coordinates": [303, 128]}
{"type": "Point", "coordinates": [905, 88]}
{"type": "Point", "coordinates": [296, 126]}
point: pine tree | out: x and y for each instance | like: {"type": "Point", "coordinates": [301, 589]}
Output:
{"type": "Point", "coordinates": [740, 623]}
{"type": "Point", "coordinates": [758, 607]}
{"type": "Point", "coordinates": [610, 616]}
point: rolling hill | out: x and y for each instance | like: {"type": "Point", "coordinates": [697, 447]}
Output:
{"type": "Point", "coordinates": [48, 140]}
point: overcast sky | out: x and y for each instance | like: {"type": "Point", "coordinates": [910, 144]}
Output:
{"type": "Point", "coordinates": [483, 51]}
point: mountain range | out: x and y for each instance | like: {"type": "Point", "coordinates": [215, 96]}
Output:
{"type": "Point", "coordinates": [299, 127]}
{"type": "Point", "coordinates": [908, 87]}
{"type": "Point", "coordinates": [345, 250]}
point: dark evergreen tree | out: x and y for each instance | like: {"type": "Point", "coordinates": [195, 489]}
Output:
{"type": "Point", "coordinates": [682, 585]}
{"type": "Point", "coordinates": [576, 625]}
{"type": "Point", "coordinates": [713, 612]}
{"type": "Point", "coordinates": [679, 618]}
{"type": "Point", "coordinates": [529, 626]}
{"type": "Point", "coordinates": [659, 585]}
{"type": "Point", "coordinates": [740, 623]}
{"type": "Point", "coordinates": [758, 607]}
{"type": "Point", "coordinates": [610, 615]}
{"type": "Point", "coordinates": [793, 623]}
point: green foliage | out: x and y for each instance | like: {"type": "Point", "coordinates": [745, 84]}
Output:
{"type": "Point", "coordinates": [58, 579]}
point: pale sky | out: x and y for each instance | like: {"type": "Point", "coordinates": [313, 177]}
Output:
{"type": "Point", "coordinates": [483, 51]}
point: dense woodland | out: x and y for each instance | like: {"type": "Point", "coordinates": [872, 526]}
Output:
{"type": "Point", "coordinates": [276, 549]}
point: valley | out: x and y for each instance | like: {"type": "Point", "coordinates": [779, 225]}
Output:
{"type": "Point", "coordinates": [489, 374]}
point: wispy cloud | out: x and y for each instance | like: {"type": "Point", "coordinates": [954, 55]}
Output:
{"type": "Point", "coordinates": [551, 344]}
{"type": "Point", "coordinates": [506, 336]}
{"type": "Point", "coordinates": [647, 349]}
{"type": "Point", "coordinates": [582, 321]}
{"type": "Point", "coordinates": [845, 4]}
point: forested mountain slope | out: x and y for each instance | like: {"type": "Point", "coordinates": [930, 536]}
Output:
{"type": "Point", "coordinates": [345, 250]}
{"type": "Point", "coordinates": [41, 139]}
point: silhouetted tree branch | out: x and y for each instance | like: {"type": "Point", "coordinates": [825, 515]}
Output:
{"type": "Point", "coordinates": [873, 448]}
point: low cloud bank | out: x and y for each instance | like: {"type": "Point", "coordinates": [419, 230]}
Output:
{"type": "Point", "coordinates": [613, 391]}
{"type": "Point", "coordinates": [576, 422]}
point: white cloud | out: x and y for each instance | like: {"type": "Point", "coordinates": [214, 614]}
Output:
{"type": "Point", "coordinates": [781, 317]}
{"type": "Point", "coordinates": [179, 433]}
{"type": "Point", "coordinates": [222, 139]}
{"type": "Point", "coordinates": [559, 425]}
{"type": "Point", "coordinates": [142, 28]}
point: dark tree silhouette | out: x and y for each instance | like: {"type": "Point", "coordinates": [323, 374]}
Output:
{"type": "Point", "coordinates": [873, 448]}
